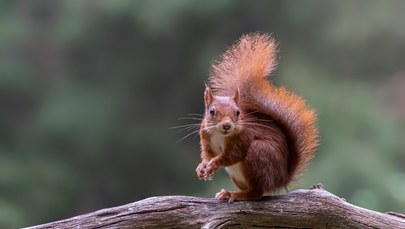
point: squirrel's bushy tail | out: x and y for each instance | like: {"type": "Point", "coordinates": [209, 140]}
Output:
{"type": "Point", "coordinates": [244, 67]}
{"type": "Point", "coordinates": [250, 59]}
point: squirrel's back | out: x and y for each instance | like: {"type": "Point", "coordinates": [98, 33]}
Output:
{"type": "Point", "coordinates": [244, 67]}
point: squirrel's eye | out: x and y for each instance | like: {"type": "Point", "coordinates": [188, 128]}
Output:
{"type": "Point", "coordinates": [212, 111]}
{"type": "Point", "coordinates": [237, 113]}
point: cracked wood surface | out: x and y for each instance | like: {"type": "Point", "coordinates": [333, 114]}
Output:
{"type": "Point", "coordinates": [314, 208]}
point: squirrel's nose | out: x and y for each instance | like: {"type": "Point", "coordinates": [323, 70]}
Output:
{"type": "Point", "coordinates": [226, 126]}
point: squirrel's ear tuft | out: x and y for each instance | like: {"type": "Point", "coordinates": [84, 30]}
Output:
{"type": "Point", "coordinates": [208, 96]}
{"type": "Point", "coordinates": [236, 96]}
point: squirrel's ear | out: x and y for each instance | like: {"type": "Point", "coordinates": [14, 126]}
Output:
{"type": "Point", "coordinates": [208, 96]}
{"type": "Point", "coordinates": [236, 96]}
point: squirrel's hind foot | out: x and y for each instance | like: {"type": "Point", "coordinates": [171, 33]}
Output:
{"type": "Point", "coordinates": [225, 195]}
{"type": "Point", "coordinates": [242, 195]}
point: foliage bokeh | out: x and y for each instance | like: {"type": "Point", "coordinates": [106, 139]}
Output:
{"type": "Point", "coordinates": [89, 90]}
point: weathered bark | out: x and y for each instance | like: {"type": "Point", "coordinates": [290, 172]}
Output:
{"type": "Point", "coordinates": [314, 208]}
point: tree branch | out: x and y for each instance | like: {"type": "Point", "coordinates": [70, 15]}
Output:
{"type": "Point", "coordinates": [314, 208]}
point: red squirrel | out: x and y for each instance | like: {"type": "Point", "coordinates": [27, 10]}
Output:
{"type": "Point", "coordinates": [261, 134]}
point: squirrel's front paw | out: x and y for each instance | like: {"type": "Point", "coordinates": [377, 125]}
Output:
{"type": "Point", "coordinates": [210, 169]}
{"type": "Point", "coordinates": [200, 170]}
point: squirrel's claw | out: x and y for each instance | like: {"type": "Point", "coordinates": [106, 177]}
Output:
{"type": "Point", "coordinates": [200, 170]}
{"type": "Point", "coordinates": [210, 169]}
{"type": "Point", "coordinates": [225, 195]}
{"type": "Point", "coordinates": [205, 170]}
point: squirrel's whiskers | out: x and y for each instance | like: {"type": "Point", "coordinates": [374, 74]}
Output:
{"type": "Point", "coordinates": [193, 127]}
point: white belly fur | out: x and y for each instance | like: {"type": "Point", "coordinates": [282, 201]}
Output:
{"type": "Point", "coordinates": [236, 173]}
{"type": "Point", "coordinates": [217, 143]}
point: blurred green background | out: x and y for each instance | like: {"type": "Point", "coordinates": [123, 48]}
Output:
{"type": "Point", "coordinates": [89, 90]}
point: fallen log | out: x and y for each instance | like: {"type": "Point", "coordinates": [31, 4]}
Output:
{"type": "Point", "coordinates": [313, 208]}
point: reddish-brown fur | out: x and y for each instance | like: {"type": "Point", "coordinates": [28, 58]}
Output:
{"type": "Point", "coordinates": [272, 138]}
